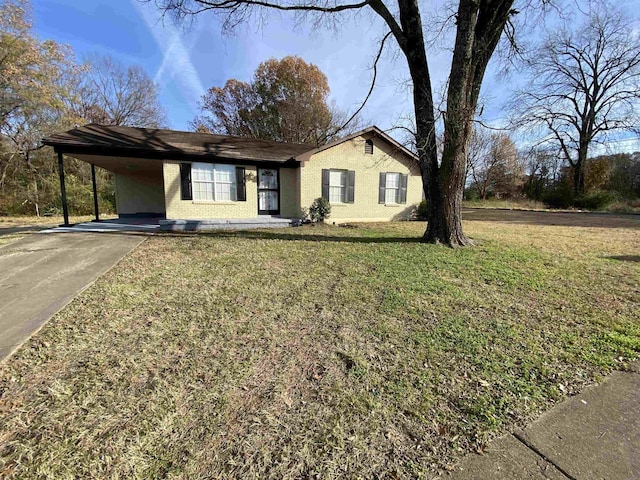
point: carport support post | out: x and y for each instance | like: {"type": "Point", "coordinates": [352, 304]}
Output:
{"type": "Point", "coordinates": [63, 191]}
{"type": "Point", "coordinates": [95, 192]}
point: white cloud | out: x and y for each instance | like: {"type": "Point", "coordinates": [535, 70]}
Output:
{"type": "Point", "coordinates": [176, 63]}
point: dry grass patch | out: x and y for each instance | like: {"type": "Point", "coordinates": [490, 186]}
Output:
{"type": "Point", "coordinates": [512, 204]}
{"type": "Point", "coordinates": [317, 352]}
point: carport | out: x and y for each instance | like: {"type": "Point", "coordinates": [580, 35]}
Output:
{"type": "Point", "coordinates": [136, 164]}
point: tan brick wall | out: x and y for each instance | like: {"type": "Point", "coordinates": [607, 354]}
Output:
{"type": "Point", "coordinates": [197, 210]}
{"type": "Point", "coordinates": [350, 155]}
{"type": "Point", "coordinates": [289, 192]}
{"type": "Point", "coordinates": [140, 193]}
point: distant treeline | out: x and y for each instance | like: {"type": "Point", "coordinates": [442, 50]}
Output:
{"type": "Point", "coordinates": [43, 90]}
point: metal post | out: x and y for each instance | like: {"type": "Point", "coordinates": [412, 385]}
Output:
{"type": "Point", "coordinates": [63, 191]}
{"type": "Point", "coordinates": [95, 192]}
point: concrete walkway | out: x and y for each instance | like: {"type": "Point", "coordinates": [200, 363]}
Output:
{"type": "Point", "coordinates": [594, 435]}
{"type": "Point", "coordinates": [40, 274]}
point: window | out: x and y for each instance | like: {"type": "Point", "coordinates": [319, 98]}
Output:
{"type": "Point", "coordinates": [214, 182]}
{"type": "Point", "coordinates": [368, 147]}
{"type": "Point", "coordinates": [393, 188]}
{"type": "Point", "coordinates": [338, 186]}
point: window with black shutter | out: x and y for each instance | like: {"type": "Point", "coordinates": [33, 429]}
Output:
{"type": "Point", "coordinates": [241, 185]}
{"type": "Point", "coordinates": [185, 182]}
{"type": "Point", "coordinates": [402, 193]}
{"type": "Point", "coordinates": [325, 184]}
{"type": "Point", "coordinates": [338, 186]}
{"type": "Point", "coordinates": [392, 188]}
{"type": "Point", "coordinates": [351, 187]}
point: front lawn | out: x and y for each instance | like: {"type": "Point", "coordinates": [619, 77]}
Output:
{"type": "Point", "coordinates": [318, 352]}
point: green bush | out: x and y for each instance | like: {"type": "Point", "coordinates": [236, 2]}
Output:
{"type": "Point", "coordinates": [319, 210]}
{"type": "Point", "coordinates": [596, 200]}
{"type": "Point", "coordinates": [422, 212]}
{"type": "Point", "coordinates": [558, 198]}
{"type": "Point", "coordinates": [471, 193]}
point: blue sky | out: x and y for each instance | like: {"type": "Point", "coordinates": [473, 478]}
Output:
{"type": "Point", "coordinates": [185, 60]}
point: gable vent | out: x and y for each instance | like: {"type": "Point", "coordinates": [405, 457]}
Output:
{"type": "Point", "coordinates": [368, 147]}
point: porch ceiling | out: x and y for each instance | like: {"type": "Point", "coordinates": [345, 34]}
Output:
{"type": "Point", "coordinates": [123, 165]}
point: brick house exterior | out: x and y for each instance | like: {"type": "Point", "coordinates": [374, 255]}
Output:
{"type": "Point", "coordinates": [174, 175]}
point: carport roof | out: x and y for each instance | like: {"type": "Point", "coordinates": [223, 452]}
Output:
{"type": "Point", "coordinates": [156, 143]}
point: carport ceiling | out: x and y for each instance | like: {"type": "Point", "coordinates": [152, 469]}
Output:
{"type": "Point", "coordinates": [123, 165]}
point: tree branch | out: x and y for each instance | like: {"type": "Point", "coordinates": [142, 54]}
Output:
{"type": "Point", "coordinates": [366, 99]}
{"type": "Point", "coordinates": [181, 6]}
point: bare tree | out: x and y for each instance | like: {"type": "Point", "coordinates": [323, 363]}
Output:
{"type": "Point", "coordinates": [116, 95]}
{"type": "Point", "coordinates": [494, 165]}
{"type": "Point", "coordinates": [477, 155]}
{"type": "Point", "coordinates": [479, 26]}
{"type": "Point", "coordinates": [542, 171]}
{"type": "Point", "coordinates": [583, 86]}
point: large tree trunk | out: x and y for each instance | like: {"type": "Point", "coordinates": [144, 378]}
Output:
{"type": "Point", "coordinates": [446, 224]}
{"type": "Point", "coordinates": [578, 179]}
{"type": "Point", "coordinates": [477, 36]}
{"type": "Point", "coordinates": [578, 170]}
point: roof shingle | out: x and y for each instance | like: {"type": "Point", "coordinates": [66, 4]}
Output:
{"type": "Point", "coordinates": [161, 143]}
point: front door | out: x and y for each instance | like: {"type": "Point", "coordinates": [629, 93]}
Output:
{"type": "Point", "coordinates": [268, 191]}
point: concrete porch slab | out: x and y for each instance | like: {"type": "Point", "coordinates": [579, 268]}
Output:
{"type": "Point", "coordinates": [226, 224]}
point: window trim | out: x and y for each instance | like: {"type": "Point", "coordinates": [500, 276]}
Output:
{"type": "Point", "coordinates": [343, 187]}
{"type": "Point", "coordinates": [396, 195]}
{"type": "Point", "coordinates": [233, 194]}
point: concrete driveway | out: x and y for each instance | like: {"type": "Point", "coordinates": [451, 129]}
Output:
{"type": "Point", "coordinates": [40, 274]}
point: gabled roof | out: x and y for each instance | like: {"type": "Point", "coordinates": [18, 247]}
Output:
{"type": "Point", "coordinates": [156, 143]}
{"type": "Point", "coordinates": [371, 131]}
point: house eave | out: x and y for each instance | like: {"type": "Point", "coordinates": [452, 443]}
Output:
{"type": "Point", "coordinates": [169, 155]}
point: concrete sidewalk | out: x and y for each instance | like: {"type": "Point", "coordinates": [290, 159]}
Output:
{"type": "Point", "coordinates": [40, 274]}
{"type": "Point", "coordinates": [594, 435]}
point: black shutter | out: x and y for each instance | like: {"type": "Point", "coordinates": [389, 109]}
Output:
{"type": "Point", "coordinates": [325, 184]}
{"type": "Point", "coordinates": [382, 187]}
{"type": "Point", "coordinates": [402, 191]}
{"type": "Point", "coordinates": [185, 182]}
{"type": "Point", "coordinates": [351, 186]}
{"type": "Point", "coordinates": [241, 185]}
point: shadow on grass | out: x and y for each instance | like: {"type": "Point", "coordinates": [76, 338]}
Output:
{"type": "Point", "coordinates": [625, 258]}
{"type": "Point", "coordinates": [304, 237]}
{"type": "Point", "coordinates": [254, 235]}
{"type": "Point", "coordinates": [25, 229]}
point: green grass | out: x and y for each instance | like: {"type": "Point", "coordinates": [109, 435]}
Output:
{"type": "Point", "coordinates": [514, 204]}
{"type": "Point", "coordinates": [318, 352]}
